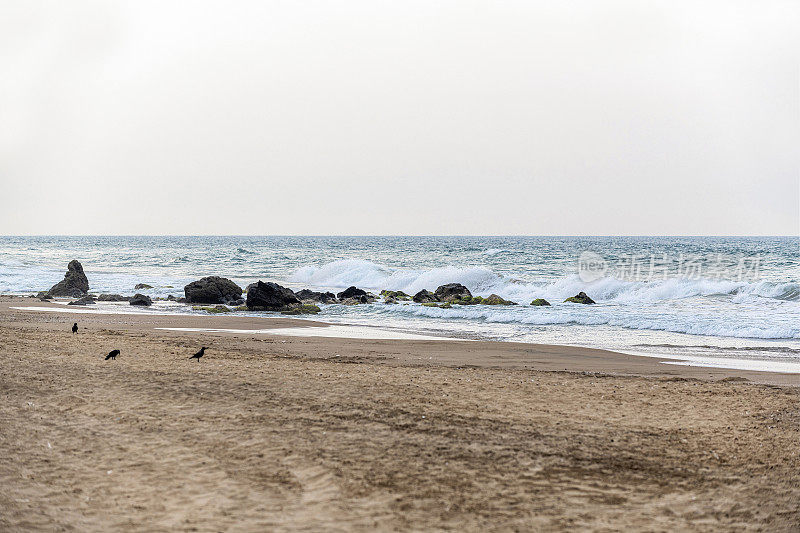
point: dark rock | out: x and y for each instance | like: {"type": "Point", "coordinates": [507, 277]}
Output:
{"type": "Point", "coordinates": [113, 298]}
{"type": "Point", "coordinates": [44, 296]}
{"type": "Point", "coordinates": [540, 301]}
{"type": "Point", "coordinates": [580, 298]}
{"type": "Point", "coordinates": [351, 292]}
{"type": "Point", "coordinates": [171, 298]}
{"type": "Point", "coordinates": [86, 300]}
{"type": "Point", "coordinates": [74, 284]}
{"type": "Point", "coordinates": [452, 292]}
{"type": "Point", "coordinates": [389, 300]}
{"type": "Point", "coordinates": [141, 286]}
{"type": "Point", "coordinates": [181, 300]}
{"type": "Point", "coordinates": [212, 290]}
{"type": "Point", "coordinates": [425, 296]}
{"type": "Point", "coordinates": [314, 296]}
{"type": "Point", "coordinates": [141, 299]}
{"type": "Point", "coordinates": [494, 299]}
{"type": "Point", "coordinates": [270, 296]}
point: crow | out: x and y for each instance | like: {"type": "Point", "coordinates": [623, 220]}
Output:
{"type": "Point", "coordinates": [112, 355]}
{"type": "Point", "coordinates": [75, 328]}
{"type": "Point", "coordinates": [199, 354]}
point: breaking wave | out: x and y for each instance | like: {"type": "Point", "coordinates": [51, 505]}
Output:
{"type": "Point", "coordinates": [483, 281]}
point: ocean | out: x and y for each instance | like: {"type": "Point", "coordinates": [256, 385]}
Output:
{"type": "Point", "coordinates": [715, 301]}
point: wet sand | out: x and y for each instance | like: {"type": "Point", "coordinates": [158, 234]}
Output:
{"type": "Point", "coordinates": [314, 433]}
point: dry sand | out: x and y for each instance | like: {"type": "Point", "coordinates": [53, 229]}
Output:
{"type": "Point", "coordinates": [310, 433]}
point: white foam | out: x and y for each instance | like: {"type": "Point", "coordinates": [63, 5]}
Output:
{"type": "Point", "coordinates": [483, 281]}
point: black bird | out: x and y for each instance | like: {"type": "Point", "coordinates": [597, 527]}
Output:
{"type": "Point", "coordinates": [199, 354]}
{"type": "Point", "coordinates": [112, 355]}
{"type": "Point", "coordinates": [75, 327]}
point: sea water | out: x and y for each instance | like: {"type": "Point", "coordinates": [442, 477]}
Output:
{"type": "Point", "coordinates": [725, 298]}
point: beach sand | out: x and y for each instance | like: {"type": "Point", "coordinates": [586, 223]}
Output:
{"type": "Point", "coordinates": [314, 433]}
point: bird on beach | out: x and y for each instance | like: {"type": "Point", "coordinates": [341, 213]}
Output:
{"type": "Point", "coordinates": [74, 328]}
{"type": "Point", "coordinates": [112, 355]}
{"type": "Point", "coordinates": [199, 354]}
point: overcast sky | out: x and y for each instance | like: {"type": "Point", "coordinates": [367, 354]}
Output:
{"type": "Point", "coordinates": [370, 117]}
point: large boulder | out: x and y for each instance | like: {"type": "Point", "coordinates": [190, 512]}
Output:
{"type": "Point", "coordinates": [141, 299]}
{"type": "Point", "coordinates": [580, 298]}
{"type": "Point", "coordinates": [74, 284]}
{"type": "Point", "coordinates": [540, 302]}
{"type": "Point", "coordinates": [270, 296]}
{"type": "Point", "coordinates": [452, 292]}
{"type": "Point", "coordinates": [212, 290]}
{"type": "Point", "coordinates": [308, 295]}
{"type": "Point", "coordinates": [351, 292]}
{"type": "Point", "coordinates": [424, 296]}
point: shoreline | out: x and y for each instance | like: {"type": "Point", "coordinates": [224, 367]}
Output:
{"type": "Point", "coordinates": [445, 351]}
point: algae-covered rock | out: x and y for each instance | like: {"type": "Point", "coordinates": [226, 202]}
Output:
{"type": "Point", "coordinates": [580, 298]}
{"type": "Point", "coordinates": [540, 301]}
{"type": "Point", "coordinates": [397, 295]}
{"type": "Point", "coordinates": [494, 299]}
{"type": "Point", "coordinates": [302, 309]}
{"type": "Point", "coordinates": [440, 305]}
{"type": "Point", "coordinates": [142, 286]}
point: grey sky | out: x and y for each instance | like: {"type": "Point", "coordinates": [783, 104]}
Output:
{"type": "Point", "coordinates": [400, 117]}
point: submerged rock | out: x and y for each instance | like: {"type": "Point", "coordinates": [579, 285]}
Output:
{"type": "Point", "coordinates": [494, 299]}
{"type": "Point", "coordinates": [141, 286]}
{"type": "Point", "coordinates": [270, 296]}
{"type": "Point", "coordinates": [141, 299]}
{"type": "Point", "coordinates": [74, 285]}
{"type": "Point", "coordinates": [215, 309]}
{"type": "Point", "coordinates": [452, 292]}
{"type": "Point", "coordinates": [580, 298]}
{"type": "Point", "coordinates": [86, 300]}
{"type": "Point", "coordinates": [113, 298]}
{"type": "Point", "coordinates": [540, 301]}
{"type": "Point", "coordinates": [351, 292]}
{"type": "Point", "coordinates": [314, 296]}
{"type": "Point", "coordinates": [425, 296]}
{"type": "Point", "coordinates": [212, 290]}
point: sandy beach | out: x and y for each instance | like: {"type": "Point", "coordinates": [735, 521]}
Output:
{"type": "Point", "coordinates": [269, 432]}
